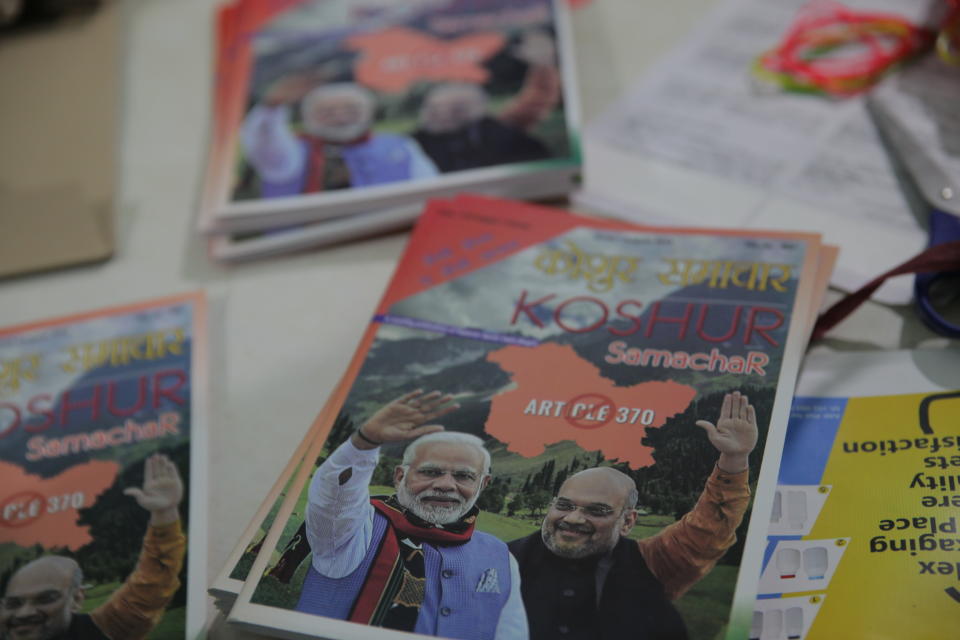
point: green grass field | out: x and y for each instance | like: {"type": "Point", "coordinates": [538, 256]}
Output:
{"type": "Point", "coordinates": [704, 608]}
{"type": "Point", "coordinates": [171, 626]}
{"type": "Point", "coordinates": [97, 595]}
{"type": "Point", "coordinates": [505, 528]}
{"type": "Point", "coordinates": [649, 525]}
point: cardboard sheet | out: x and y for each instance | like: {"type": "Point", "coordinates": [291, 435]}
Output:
{"type": "Point", "coordinates": [59, 120]}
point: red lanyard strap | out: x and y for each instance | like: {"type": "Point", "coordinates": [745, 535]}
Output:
{"type": "Point", "coordinates": [940, 258]}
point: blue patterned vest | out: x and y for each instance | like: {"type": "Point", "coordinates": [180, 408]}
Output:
{"type": "Point", "coordinates": [467, 586]}
{"type": "Point", "coordinates": [383, 158]}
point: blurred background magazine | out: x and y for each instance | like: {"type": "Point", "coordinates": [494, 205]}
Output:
{"type": "Point", "coordinates": [103, 473]}
{"type": "Point", "coordinates": [331, 108]}
{"type": "Point", "coordinates": [868, 497]}
{"type": "Point", "coordinates": [506, 306]}
{"type": "Point", "coordinates": [250, 245]}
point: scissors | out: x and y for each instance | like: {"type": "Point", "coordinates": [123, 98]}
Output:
{"type": "Point", "coordinates": [936, 294]}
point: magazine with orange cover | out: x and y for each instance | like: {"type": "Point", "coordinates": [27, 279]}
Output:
{"type": "Point", "coordinates": [240, 246]}
{"type": "Point", "coordinates": [103, 474]}
{"type": "Point", "coordinates": [325, 109]}
{"type": "Point", "coordinates": [229, 581]}
{"type": "Point", "coordinates": [574, 349]}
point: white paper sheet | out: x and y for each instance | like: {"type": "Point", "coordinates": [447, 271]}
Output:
{"type": "Point", "coordinates": [698, 141]}
{"type": "Point", "coordinates": [925, 99]}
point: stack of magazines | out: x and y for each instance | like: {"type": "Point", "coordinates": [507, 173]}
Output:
{"type": "Point", "coordinates": [543, 361]}
{"type": "Point", "coordinates": [335, 119]}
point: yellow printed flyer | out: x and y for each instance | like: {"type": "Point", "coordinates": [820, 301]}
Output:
{"type": "Point", "coordinates": [863, 538]}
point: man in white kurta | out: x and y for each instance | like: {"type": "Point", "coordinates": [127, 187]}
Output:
{"type": "Point", "coordinates": [412, 561]}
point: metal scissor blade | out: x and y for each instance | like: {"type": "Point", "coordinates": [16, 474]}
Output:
{"type": "Point", "coordinates": [934, 184]}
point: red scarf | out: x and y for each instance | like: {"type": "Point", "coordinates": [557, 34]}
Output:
{"type": "Point", "coordinates": [317, 160]}
{"type": "Point", "coordinates": [386, 573]}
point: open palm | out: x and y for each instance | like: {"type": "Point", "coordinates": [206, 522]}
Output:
{"type": "Point", "coordinates": [162, 488]}
{"type": "Point", "coordinates": [736, 430]}
{"type": "Point", "coordinates": [403, 418]}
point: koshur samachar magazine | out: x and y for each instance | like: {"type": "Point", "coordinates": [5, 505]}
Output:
{"type": "Point", "coordinates": [565, 344]}
{"type": "Point", "coordinates": [229, 581]}
{"type": "Point", "coordinates": [103, 473]}
{"type": "Point", "coordinates": [332, 108]}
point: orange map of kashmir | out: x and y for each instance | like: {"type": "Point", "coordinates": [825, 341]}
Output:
{"type": "Point", "coordinates": [46, 513]}
{"type": "Point", "coordinates": [557, 395]}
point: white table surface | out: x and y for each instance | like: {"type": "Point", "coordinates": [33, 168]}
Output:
{"type": "Point", "coordinates": [282, 330]}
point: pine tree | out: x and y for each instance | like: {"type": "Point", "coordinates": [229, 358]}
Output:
{"type": "Point", "coordinates": [557, 483]}
{"type": "Point", "coordinates": [537, 501]}
{"type": "Point", "coordinates": [546, 475]}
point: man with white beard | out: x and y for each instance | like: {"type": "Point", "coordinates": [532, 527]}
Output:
{"type": "Point", "coordinates": [411, 561]}
{"type": "Point", "coordinates": [335, 149]}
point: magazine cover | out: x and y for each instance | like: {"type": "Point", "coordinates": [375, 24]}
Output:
{"type": "Point", "coordinates": [228, 583]}
{"type": "Point", "coordinates": [102, 473]}
{"type": "Point", "coordinates": [626, 384]}
{"type": "Point", "coordinates": [231, 578]}
{"type": "Point", "coordinates": [863, 530]}
{"type": "Point", "coordinates": [330, 107]}
{"type": "Point", "coordinates": [250, 245]}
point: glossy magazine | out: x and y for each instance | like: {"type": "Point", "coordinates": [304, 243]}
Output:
{"type": "Point", "coordinates": [455, 95]}
{"type": "Point", "coordinates": [569, 343]}
{"type": "Point", "coordinates": [102, 454]}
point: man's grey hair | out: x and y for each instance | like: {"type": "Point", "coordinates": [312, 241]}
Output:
{"type": "Point", "coordinates": [633, 496]}
{"type": "Point", "coordinates": [64, 564]}
{"type": "Point", "coordinates": [363, 96]}
{"type": "Point", "coordinates": [449, 437]}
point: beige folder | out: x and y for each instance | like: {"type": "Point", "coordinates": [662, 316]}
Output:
{"type": "Point", "coordinates": [59, 127]}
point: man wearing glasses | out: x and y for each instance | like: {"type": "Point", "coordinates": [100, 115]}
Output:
{"type": "Point", "coordinates": [581, 577]}
{"type": "Point", "coordinates": [43, 599]}
{"type": "Point", "coordinates": [411, 561]}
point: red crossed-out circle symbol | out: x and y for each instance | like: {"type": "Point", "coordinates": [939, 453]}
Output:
{"type": "Point", "coordinates": [593, 403]}
{"type": "Point", "coordinates": [21, 509]}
